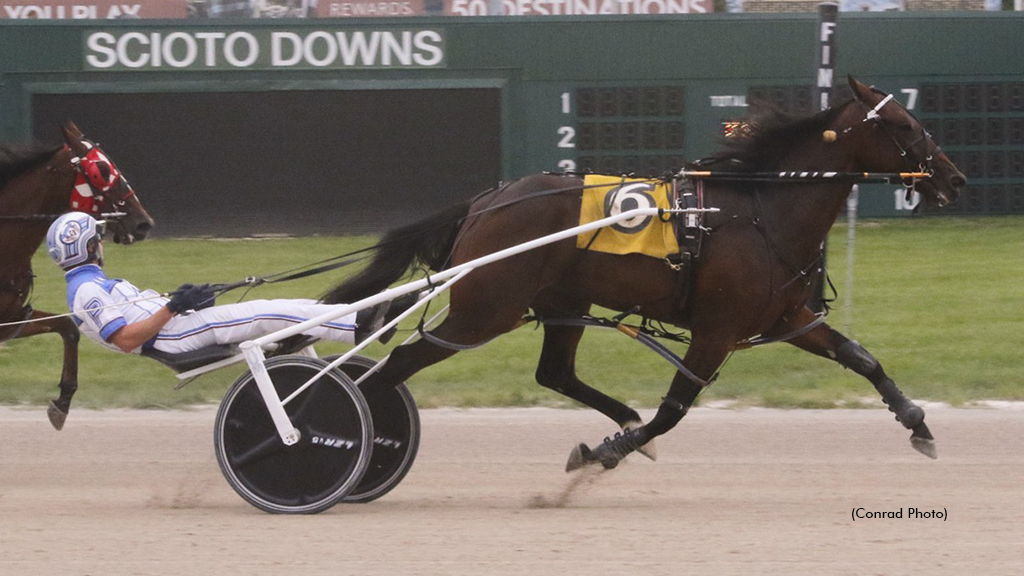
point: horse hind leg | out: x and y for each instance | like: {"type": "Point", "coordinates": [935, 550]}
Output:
{"type": "Point", "coordinates": [701, 362]}
{"type": "Point", "coordinates": [45, 323]}
{"type": "Point", "coordinates": [827, 342]}
{"type": "Point", "coordinates": [556, 371]}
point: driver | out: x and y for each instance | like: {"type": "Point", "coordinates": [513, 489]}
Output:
{"type": "Point", "coordinates": [119, 316]}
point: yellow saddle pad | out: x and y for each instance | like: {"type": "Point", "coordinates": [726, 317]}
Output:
{"type": "Point", "coordinates": [605, 196]}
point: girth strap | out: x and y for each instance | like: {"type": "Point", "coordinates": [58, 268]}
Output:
{"type": "Point", "coordinates": [26, 314]}
{"type": "Point", "coordinates": [634, 333]}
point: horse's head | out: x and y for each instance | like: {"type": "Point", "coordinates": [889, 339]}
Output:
{"type": "Point", "coordinates": [890, 139]}
{"type": "Point", "coordinates": [101, 190]}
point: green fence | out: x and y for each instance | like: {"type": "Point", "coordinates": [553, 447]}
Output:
{"type": "Point", "coordinates": [374, 122]}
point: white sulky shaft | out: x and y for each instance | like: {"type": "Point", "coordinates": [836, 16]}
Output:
{"type": "Point", "coordinates": [253, 348]}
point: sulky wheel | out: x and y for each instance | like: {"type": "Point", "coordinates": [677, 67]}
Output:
{"type": "Point", "coordinates": [329, 459]}
{"type": "Point", "coordinates": [396, 423]}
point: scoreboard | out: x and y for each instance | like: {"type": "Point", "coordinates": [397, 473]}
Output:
{"type": "Point", "coordinates": [981, 127]}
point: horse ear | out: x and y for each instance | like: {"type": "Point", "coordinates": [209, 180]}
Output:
{"type": "Point", "coordinates": [73, 138]}
{"type": "Point", "coordinates": [860, 91]}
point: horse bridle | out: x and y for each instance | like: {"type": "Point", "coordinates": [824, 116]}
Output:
{"type": "Point", "coordinates": [925, 165]}
{"type": "Point", "coordinates": [89, 173]}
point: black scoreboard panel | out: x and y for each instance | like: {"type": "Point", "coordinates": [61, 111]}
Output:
{"type": "Point", "coordinates": [631, 130]}
{"type": "Point", "coordinates": [980, 126]}
{"type": "Point", "coordinates": [288, 162]}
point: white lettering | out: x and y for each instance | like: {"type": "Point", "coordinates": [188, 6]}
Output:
{"type": "Point", "coordinates": [402, 51]}
{"type": "Point", "coordinates": [911, 97]}
{"type": "Point", "coordinates": [231, 55]}
{"type": "Point", "coordinates": [826, 30]}
{"type": "Point", "coordinates": [428, 42]}
{"type": "Point", "coordinates": [739, 101]}
{"type": "Point", "coordinates": [122, 50]}
{"type": "Point", "coordinates": [210, 46]}
{"type": "Point", "coordinates": [470, 8]}
{"type": "Point", "coordinates": [310, 45]}
{"type": "Point", "coordinates": [191, 49]}
{"type": "Point", "coordinates": [824, 78]}
{"type": "Point", "coordinates": [103, 56]}
{"type": "Point", "coordinates": [38, 12]}
{"type": "Point", "coordinates": [73, 11]}
{"type": "Point", "coordinates": [180, 49]}
{"type": "Point", "coordinates": [154, 42]}
{"type": "Point", "coordinates": [583, 7]}
{"type": "Point", "coordinates": [357, 47]}
{"type": "Point", "coordinates": [131, 11]}
{"type": "Point", "coordinates": [277, 57]}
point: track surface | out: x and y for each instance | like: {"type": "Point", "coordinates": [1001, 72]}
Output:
{"type": "Point", "coordinates": [734, 492]}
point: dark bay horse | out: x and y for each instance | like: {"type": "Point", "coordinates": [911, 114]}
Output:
{"type": "Point", "coordinates": [37, 184]}
{"type": "Point", "coordinates": [753, 276]}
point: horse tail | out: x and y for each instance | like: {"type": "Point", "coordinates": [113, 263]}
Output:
{"type": "Point", "coordinates": [429, 241]}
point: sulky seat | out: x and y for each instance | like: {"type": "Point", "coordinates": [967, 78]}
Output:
{"type": "Point", "coordinates": [185, 361]}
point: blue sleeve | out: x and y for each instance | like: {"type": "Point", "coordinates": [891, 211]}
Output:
{"type": "Point", "coordinates": [113, 326]}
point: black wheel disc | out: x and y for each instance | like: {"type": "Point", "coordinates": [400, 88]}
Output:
{"type": "Point", "coordinates": [323, 467]}
{"type": "Point", "coordinates": [396, 435]}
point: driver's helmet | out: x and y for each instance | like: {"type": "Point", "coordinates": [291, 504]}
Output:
{"type": "Point", "coordinates": [69, 236]}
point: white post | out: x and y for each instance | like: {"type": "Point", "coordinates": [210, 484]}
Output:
{"type": "Point", "coordinates": [851, 235]}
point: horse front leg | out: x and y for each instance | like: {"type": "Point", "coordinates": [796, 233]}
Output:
{"type": "Point", "coordinates": [46, 323]}
{"type": "Point", "coordinates": [557, 371]}
{"type": "Point", "coordinates": [827, 342]}
{"type": "Point", "coordinates": [701, 362]}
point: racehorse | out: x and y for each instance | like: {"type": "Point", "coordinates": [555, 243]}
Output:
{"type": "Point", "coordinates": [753, 277]}
{"type": "Point", "coordinates": [37, 184]}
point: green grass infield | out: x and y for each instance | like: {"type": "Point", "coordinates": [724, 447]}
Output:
{"type": "Point", "coordinates": [939, 301]}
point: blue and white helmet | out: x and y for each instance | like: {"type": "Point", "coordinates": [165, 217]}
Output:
{"type": "Point", "coordinates": [69, 236]}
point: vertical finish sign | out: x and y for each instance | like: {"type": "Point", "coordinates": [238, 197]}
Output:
{"type": "Point", "coordinates": [828, 12]}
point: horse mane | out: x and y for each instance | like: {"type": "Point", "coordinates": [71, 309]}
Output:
{"type": "Point", "coordinates": [768, 137]}
{"type": "Point", "coordinates": [17, 159]}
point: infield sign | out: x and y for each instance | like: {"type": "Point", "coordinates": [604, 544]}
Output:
{"type": "Point", "coordinates": [263, 49]}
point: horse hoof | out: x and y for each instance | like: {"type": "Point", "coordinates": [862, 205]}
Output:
{"type": "Point", "coordinates": [923, 441]}
{"type": "Point", "coordinates": [578, 458]}
{"type": "Point", "coordinates": [56, 416]}
{"type": "Point", "coordinates": [925, 446]}
{"type": "Point", "coordinates": [650, 449]}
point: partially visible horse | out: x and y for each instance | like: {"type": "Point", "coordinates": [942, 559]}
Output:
{"type": "Point", "coordinates": [753, 277]}
{"type": "Point", "coordinates": [37, 184]}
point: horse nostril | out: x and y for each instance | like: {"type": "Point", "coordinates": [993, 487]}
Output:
{"type": "Point", "coordinates": [143, 229]}
{"type": "Point", "coordinates": [958, 181]}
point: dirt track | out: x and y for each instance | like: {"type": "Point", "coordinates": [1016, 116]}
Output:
{"type": "Point", "coordinates": [734, 492]}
